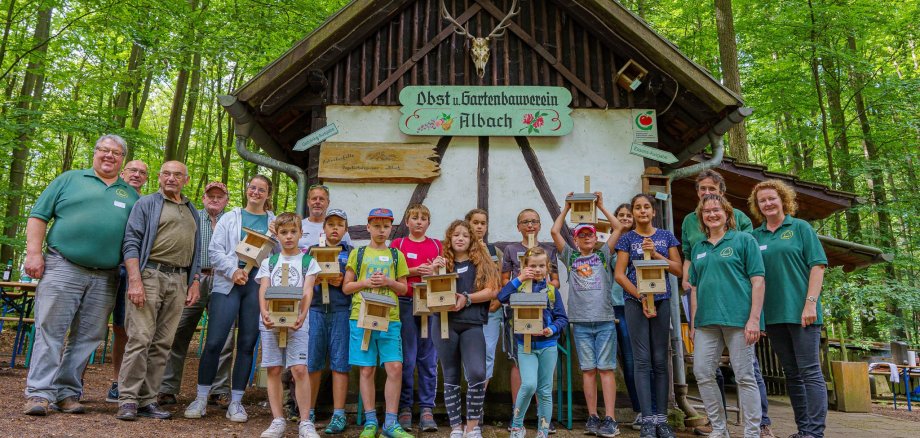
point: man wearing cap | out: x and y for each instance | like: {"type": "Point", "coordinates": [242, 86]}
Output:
{"type": "Point", "coordinates": [329, 327]}
{"type": "Point", "coordinates": [161, 249]}
{"type": "Point", "coordinates": [78, 273]}
{"type": "Point", "coordinates": [215, 201]}
{"type": "Point", "coordinates": [135, 174]}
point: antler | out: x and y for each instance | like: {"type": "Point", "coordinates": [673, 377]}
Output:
{"type": "Point", "coordinates": [459, 28]}
{"type": "Point", "coordinates": [499, 30]}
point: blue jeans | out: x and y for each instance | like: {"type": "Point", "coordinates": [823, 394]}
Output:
{"type": "Point", "coordinates": [328, 339]}
{"type": "Point", "coordinates": [596, 344]}
{"type": "Point", "coordinates": [537, 370]}
{"type": "Point", "coordinates": [420, 354]}
{"type": "Point", "coordinates": [798, 351]}
{"type": "Point", "coordinates": [626, 356]}
{"type": "Point", "coordinates": [242, 302]}
{"type": "Point", "coordinates": [492, 331]}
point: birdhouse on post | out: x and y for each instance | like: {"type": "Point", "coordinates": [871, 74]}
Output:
{"type": "Point", "coordinates": [603, 228]}
{"type": "Point", "coordinates": [655, 183]}
{"type": "Point", "coordinates": [528, 314]}
{"type": "Point", "coordinates": [253, 248]}
{"type": "Point", "coordinates": [583, 206]}
{"type": "Point", "coordinates": [651, 279]}
{"type": "Point", "coordinates": [327, 257]}
{"type": "Point", "coordinates": [374, 314]}
{"type": "Point", "coordinates": [283, 304]}
{"type": "Point", "coordinates": [441, 295]}
{"type": "Point", "coordinates": [420, 304]}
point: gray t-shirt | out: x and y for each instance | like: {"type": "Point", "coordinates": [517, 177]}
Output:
{"type": "Point", "coordinates": [589, 285]}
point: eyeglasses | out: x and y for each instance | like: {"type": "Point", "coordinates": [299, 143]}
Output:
{"type": "Point", "coordinates": [712, 211]}
{"type": "Point", "coordinates": [214, 197]}
{"type": "Point", "coordinates": [140, 172]}
{"type": "Point", "coordinates": [177, 175]}
{"type": "Point", "coordinates": [258, 190]}
{"type": "Point", "coordinates": [318, 186]}
{"type": "Point", "coordinates": [115, 152]}
{"type": "Point", "coordinates": [530, 222]}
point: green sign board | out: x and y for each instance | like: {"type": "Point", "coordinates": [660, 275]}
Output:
{"type": "Point", "coordinates": [652, 153]}
{"type": "Point", "coordinates": [485, 111]}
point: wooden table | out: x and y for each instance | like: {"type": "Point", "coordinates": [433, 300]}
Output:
{"type": "Point", "coordinates": [21, 298]}
{"type": "Point", "coordinates": [906, 372]}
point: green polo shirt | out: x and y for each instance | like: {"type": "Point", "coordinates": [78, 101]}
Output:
{"type": "Point", "coordinates": [789, 253]}
{"type": "Point", "coordinates": [88, 216]}
{"type": "Point", "coordinates": [690, 233]}
{"type": "Point", "coordinates": [722, 275]}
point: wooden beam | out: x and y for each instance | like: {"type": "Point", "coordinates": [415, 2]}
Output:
{"type": "Point", "coordinates": [482, 176]}
{"type": "Point", "coordinates": [419, 54]}
{"type": "Point", "coordinates": [539, 180]}
{"type": "Point", "coordinates": [539, 49]}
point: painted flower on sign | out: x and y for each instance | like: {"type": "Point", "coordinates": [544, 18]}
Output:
{"type": "Point", "coordinates": [443, 121]}
{"type": "Point", "coordinates": [533, 122]}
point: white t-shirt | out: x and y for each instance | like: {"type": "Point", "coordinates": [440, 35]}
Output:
{"type": "Point", "coordinates": [311, 233]}
{"type": "Point", "coordinates": [295, 265]}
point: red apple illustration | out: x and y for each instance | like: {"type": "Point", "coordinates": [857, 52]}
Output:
{"type": "Point", "coordinates": [645, 120]}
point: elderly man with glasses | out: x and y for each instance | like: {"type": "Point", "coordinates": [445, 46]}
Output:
{"type": "Point", "coordinates": [78, 272]}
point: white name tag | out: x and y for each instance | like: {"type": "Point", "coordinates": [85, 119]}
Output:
{"type": "Point", "coordinates": [411, 255]}
{"type": "Point", "coordinates": [119, 204]}
{"type": "Point", "coordinates": [383, 258]}
{"type": "Point", "coordinates": [463, 269]}
{"type": "Point", "coordinates": [701, 255]}
{"type": "Point", "coordinates": [763, 247]}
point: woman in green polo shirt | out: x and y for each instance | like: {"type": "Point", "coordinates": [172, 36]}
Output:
{"type": "Point", "coordinates": [726, 295]}
{"type": "Point", "coordinates": [794, 263]}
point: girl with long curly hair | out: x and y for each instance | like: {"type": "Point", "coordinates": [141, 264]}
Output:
{"type": "Point", "coordinates": [477, 283]}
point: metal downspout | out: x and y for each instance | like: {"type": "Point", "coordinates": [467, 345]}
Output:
{"type": "Point", "coordinates": [244, 126]}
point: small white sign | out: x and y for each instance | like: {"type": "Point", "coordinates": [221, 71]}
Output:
{"type": "Point", "coordinates": [463, 269]}
{"type": "Point", "coordinates": [645, 125]}
{"type": "Point", "coordinates": [317, 137]}
{"type": "Point", "coordinates": [119, 204]}
{"type": "Point", "coordinates": [411, 255]}
{"type": "Point", "coordinates": [763, 247]}
{"type": "Point", "coordinates": [699, 256]}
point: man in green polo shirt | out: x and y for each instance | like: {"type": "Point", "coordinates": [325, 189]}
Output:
{"type": "Point", "coordinates": [88, 210]}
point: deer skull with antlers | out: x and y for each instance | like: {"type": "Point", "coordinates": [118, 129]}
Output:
{"type": "Point", "coordinates": [479, 49]}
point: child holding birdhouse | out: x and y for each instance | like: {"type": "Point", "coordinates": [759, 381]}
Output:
{"type": "Point", "coordinates": [649, 325]}
{"type": "Point", "coordinates": [329, 324]}
{"type": "Point", "coordinates": [285, 345]}
{"type": "Point", "coordinates": [377, 269]}
{"type": "Point", "coordinates": [423, 257]}
{"type": "Point", "coordinates": [477, 283]}
{"type": "Point", "coordinates": [589, 310]}
{"type": "Point", "coordinates": [537, 366]}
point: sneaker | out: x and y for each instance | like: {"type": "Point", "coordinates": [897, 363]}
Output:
{"type": "Point", "coordinates": [307, 430]}
{"type": "Point", "coordinates": [591, 425]}
{"type": "Point", "coordinates": [426, 423]}
{"type": "Point", "coordinates": [542, 433]}
{"type": "Point", "coordinates": [637, 423]}
{"type": "Point", "coordinates": [648, 431]}
{"type": "Point", "coordinates": [127, 412]}
{"type": "Point", "coordinates": [395, 431]}
{"type": "Point", "coordinates": [552, 428]}
{"type": "Point", "coordinates": [518, 432]}
{"type": "Point", "coordinates": [236, 413]}
{"type": "Point", "coordinates": [37, 406]}
{"type": "Point", "coordinates": [664, 431]}
{"type": "Point", "coordinates": [336, 425]}
{"type": "Point", "coordinates": [70, 405]}
{"type": "Point", "coordinates": [196, 409]}
{"type": "Point", "coordinates": [766, 432]}
{"type": "Point", "coordinates": [405, 418]}
{"type": "Point", "coordinates": [276, 429]}
{"type": "Point", "coordinates": [370, 431]}
{"type": "Point", "coordinates": [475, 433]}
{"type": "Point", "coordinates": [608, 428]}
{"type": "Point", "coordinates": [153, 411]}
{"type": "Point", "coordinates": [164, 399]}
{"type": "Point", "coordinates": [220, 400]}
{"type": "Point", "coordinates": [457, 432]}
{"type": "Point", "coordinates": [112, 395]}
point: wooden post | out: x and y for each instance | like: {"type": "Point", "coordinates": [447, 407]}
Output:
{"type": "Point", "coordinates": [282, 331]}
{"type": "Point", "coordinates": [424, 326]}
{"type": "Point", "coordinates": [325, 287]}
{"type": "Point", "coordinates": [366, 341]}
{"type": "Point", "coordinates": [248, 267]}
{"type": "Point", "coordinates": [587, 184]}
{"type": "Point", "coordinates": [528, 285]}
{"type": "Point", "coordinates": [445, 331]}
{"type": "Point", "coordinates": [648, 300]}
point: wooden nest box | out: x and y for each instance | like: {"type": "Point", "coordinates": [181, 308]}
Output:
{"type": "Point", "coordinates": [420, 305]}
{"type": "Point", "coordinates": [583, 206]}
{"type": "Point", "coordinates": [528, 314]}
{"type": "Point", "coordinates": [283, 304]}
{"type": "Point", "coordinates": [327, 257]}
{"type": "Point", "coordinates": [441, 296]}
{"type": "Point", "coordinates": [603, 228]}
{"type": "Point", "coordinates": [651, 279]}
{"type": "Point", "coordinates": [374, 314]}
{"type": "Point", "coordinates": [630, 76]}
{"type": "Point", "coordinates": [253, 248]}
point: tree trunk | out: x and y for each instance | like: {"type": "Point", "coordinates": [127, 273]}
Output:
{"type": "Point", "coordinates": [175, 113]}
{"type": "Point", "coordinates": [128, 87]}
{"type": "Point", "coordinates": [6, 30]}
{"type": "Point", "coordinates": [30, 97]}
{"type": "Point", "coordinates": [841, 144]}
{"type": "Point", "coordinates": [190, 108]}
{"type": "Point", "coordinates": [728, 57]}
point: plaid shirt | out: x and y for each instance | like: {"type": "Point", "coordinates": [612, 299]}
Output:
{"type": "Point", "coordinates": [206, 231]}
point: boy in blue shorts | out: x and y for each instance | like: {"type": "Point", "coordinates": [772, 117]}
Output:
{"type": "Point", "coordinates": [376, 268]}
{"type": "Point", "coordinates": [329, 327]}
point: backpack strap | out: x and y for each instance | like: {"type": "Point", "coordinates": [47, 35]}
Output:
{"type": "Point", "coordinates": [360, 258]}
{"type": "Point", "coordinates": [272, 261]}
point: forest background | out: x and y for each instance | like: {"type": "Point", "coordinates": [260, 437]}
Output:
{"type": "Point", "coordinates": [835, 85]}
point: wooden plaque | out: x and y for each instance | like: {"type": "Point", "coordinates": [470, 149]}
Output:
{"type": "Point", "coordinates": [378, 162]}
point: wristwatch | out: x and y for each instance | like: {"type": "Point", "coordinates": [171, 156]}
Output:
{"type": "Point", "coordinates": [468, 300]}
{"type": "Point", "coordinates": [812, 299]}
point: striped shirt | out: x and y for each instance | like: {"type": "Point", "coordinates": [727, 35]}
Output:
{"type": "Point", "coordinates": [206, 231]}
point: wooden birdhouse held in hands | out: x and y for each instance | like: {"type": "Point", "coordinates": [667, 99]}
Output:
{"type": "Point", "coordinates": [651, 279]}
{"type": "Point", "coordinates": [253, 248]}
{"type": "Point", "coordinates": [374, 314]}
{"type": "Point", "coordinates": [283, 303]}
{"type": "Point", "coordinates": [583, 206]}
{"type": "Point", "coordinates": [328, 260]}
{"type": "Point", "coordinates": [603, 229]}
{"type": "Point", "coordinates": [528, 314]}
{"type": "Point", "coordinates": [441, 296]}
{"type": "Point", "coordinates": [420, 305]}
